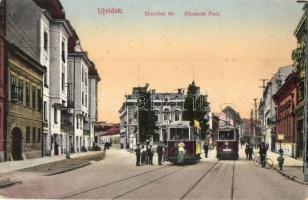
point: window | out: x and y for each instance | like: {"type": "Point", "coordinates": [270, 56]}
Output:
{"type": "Point", "coordinates": [82, 98]}
{"type": "Point", "coordinates": [39, 99]}
{"type": "Point", "coordinates": [27, 94]}
{"type": "Point", "coordinates": [33, 97]}
{"type": "Point", "coordinates": [86, 100]}
{"type": "Point", "coordinates": [86, 79]}
{"type": "Point", "coordinates": [177, 117]}
{"type": "Point", "coordinates": [166, 117]}
{"type": "Point", "coordinates": [45, 40]}
{"type": "Point", "coordinates": [20, 90]}
{"type": "Point", "coordinates": [28, 134]}
{"type": "Point", "coordinates": [45, 80]}
{"type": "Point", "coordinates": [14, 88]}
{"type": "Point", "coordinates": [45, 111]}
{"type": "Point", "coordinates": [82, 75]}
{"type": "Point", "coordinates": [55, 115]}
{"type": "Point", "coordinates": [33, 135]}
{"type": "Point", "coordinates": [39, 135]}
{"type": "Point", "coordinates": [77, 122]}
{"type": "Point", "coordinates": [63, 51]}
{"type": "Point", "coordinates": [156, 118]}
{"type": "Point", "coordinates": [63, 81]}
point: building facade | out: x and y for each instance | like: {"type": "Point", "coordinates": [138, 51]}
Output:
{"type": "Point", "coordinates": [2, 93]}
{"type": "Point", "coordinates": [268, 114]}
{"type": "Point", "coordinates": [78, 71]}
{"type": "Point", "coordinates": [40, 29]}
{"type": "Point", "coordinates": [299, 57]}
{"type": "Point", "coordinates": [285, 99]}
{"type": "Point", "coordinates": [168, 108]}
{"type": "Point", "coordinates": [24, 105]}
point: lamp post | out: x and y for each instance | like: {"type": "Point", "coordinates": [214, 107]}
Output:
{"type": "Point", "coordinates": [305, 96]}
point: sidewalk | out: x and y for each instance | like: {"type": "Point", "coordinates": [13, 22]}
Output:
{"type": "Point", "coordinates": [292, 168]}
{"type": "Point", "coordinates": [10, 166]}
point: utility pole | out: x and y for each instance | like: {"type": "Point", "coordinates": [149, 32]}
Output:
{"type": "Point", "coordinates": [256, 117]}
{"type": "Point", "coordinates": [305, 8]}
{"type": "Point", "coordinates": [263, 84]}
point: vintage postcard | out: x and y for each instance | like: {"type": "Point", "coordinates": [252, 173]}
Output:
{"type": "Point", "coordinates": [154, 99]}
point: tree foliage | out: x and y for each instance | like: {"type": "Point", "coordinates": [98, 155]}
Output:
{"type": "Point", "coordinates": [146, 115]}
{"type": "Point", "coordinates": [196, 107]}
{"type": "Point", "coordinates": [231, 112]}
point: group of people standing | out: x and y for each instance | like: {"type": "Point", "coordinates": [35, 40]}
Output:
{"type": "Point", "coordinates": [145, 153]}
{"type": "Point", "coordinates": [263, 148]}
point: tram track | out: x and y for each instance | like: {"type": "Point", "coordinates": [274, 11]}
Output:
{"type": "Point", "coordinates": [148, 183]}
{"type": "Point", "coordinates": [232, 184]}
{"type": "Point", "coordinates": [199, 180]}
{"type": "Point", "coordinates": [112, 183]}
{"type": "Point", "coordinates": [204, 175]}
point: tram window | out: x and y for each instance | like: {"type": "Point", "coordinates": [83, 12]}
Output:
{"type": "Point", "coordinates": [226, 136]}
{"type": "Point", "coordinates": [179, 133]}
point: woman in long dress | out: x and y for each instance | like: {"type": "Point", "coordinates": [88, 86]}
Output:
{"type": "Point", "coordinates": [181, 151]}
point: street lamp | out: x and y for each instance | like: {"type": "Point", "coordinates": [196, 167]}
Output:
{"type": "Point", "coordinates": [305, 97]}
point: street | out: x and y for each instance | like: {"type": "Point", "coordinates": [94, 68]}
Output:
{"type": "Point", "coordinates": [117, 177]}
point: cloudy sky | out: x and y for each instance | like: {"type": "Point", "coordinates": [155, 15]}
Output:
{"type": "Point", "coordinates": [248, 41]}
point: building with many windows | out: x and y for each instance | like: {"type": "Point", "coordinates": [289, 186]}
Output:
{"type": "Point", "coordinates": [24, 86]}
{"type": "Point", "coordinates": [168, 108]}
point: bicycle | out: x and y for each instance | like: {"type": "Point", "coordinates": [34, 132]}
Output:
{"type": "Point", "coordinates": [268, 162]}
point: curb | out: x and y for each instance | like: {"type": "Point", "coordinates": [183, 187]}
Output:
{"type": "Point", "coordinates": [8, 183]}
{"type": "Point", "coordinates": [293, 178]}
{"type": "Point", "coordinates": [67, 170]}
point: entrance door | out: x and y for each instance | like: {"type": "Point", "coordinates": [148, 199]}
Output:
{"type": "Point", "coordinates": [16, 143]}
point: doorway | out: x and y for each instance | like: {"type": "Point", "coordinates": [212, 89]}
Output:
{"type": "Point", "coordinates": [16, 144]}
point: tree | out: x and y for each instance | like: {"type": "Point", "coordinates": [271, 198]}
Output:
{"type": "Point", "coordinates": [146, 116]}
{"type": "Point", "coordinates": [196, 107]}
{"type": "Point", "coordinates": [233, 115]}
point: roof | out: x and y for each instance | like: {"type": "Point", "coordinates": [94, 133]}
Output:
{"type": "Point", "coordinates": [54, 7]}
{"type": "Point", "coordinates": [21, 54]}
{"type": "Point", "coordinates": [113, 131]}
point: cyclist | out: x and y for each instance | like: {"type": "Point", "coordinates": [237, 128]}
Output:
{"type": "Point", "coordinates": [262, 152]}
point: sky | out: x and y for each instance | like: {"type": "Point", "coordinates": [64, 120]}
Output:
{"type": "Point", "coordinates": [229, 53]}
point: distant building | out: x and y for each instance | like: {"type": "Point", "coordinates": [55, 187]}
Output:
{"type": "Point", "coordinates": [268, 114]}
{"type": "Point", "coordinates": [286, 101]}
{"type": "Point", "coordinates": [168, 107]}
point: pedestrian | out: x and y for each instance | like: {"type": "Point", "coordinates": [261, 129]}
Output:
{"type": "Point", "coordinates": [181, 152]}
{"type": "Point", "coordinates": [146, 155]}
{"type": "Point", "coordinates": [159, 151]}
{"type": "Point", "coordinates": [246, 150]}
{"type": "Point", "coordinates": [250, 152]}
{"type": "Point", "coordinates": [267, 146]}
{"type": "Point", "coordinates": [150, 154]}
{"type": "Point", "coordinates": [142, 155]}
{"type": "Point", "coordinates": [206, 149]}
{"type": "Point", "coordinates": [137, 150]}
{"type": "Point", "coordinates": [262, 152]}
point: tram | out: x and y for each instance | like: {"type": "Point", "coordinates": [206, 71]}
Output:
{"type": "Point", "coordinates": [227, 143]}
{"type": "Point", "coordinates": [182, 132]}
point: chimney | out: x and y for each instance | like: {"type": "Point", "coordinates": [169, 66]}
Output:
{"type": "Point", "coordinates": [179, 91]}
